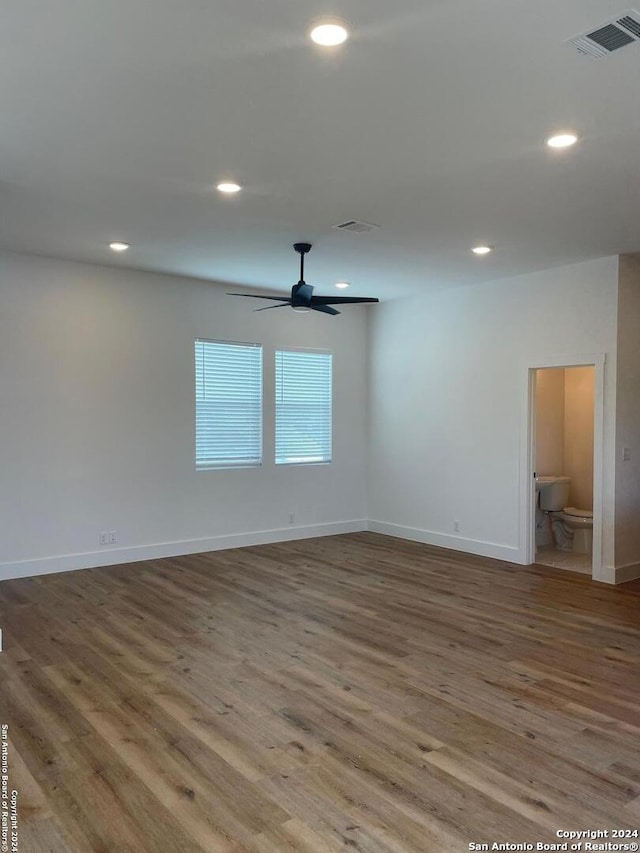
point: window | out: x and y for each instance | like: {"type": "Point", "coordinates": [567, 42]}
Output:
{"type": "Point", "coordinates": [303, 407]}
{"type": "Point", "coordinates": [228, 404]}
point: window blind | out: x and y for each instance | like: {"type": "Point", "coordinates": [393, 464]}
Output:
{"type": "Point", "coordinates": [228, 404]}
{"type": "Point", "coordinates": [303, 407]}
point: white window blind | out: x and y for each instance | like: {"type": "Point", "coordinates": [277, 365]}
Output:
{"type": "Point", "coordinates": [228, 404]}
{"type": "Point", "coordinates": [303, 407]}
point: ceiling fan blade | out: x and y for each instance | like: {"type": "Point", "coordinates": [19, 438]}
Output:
{"type": "Point", "coordinates": [340, 300]}
{"type": "Point", "coordinates": [325, 309]}
{"type": "Point", "coordinates": [282, 305]}
{"type": "Point", "coordinates": [258, 296]}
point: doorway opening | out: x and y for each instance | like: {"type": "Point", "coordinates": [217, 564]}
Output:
{"type": "Point", "coordinates": [563, 492]}
{"type": "Point", "coordinates": [563, 462]}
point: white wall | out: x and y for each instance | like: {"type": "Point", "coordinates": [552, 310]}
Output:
{"type": "Point", "coordinates": [448, 399]}
{"type": "Point", "coordinates": [97, 419]}
{"type": "Point", "coordinates": [628, 419]}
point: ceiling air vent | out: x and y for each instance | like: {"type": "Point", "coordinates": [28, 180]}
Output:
{"type": "Point", "coordinates": [610, 36]}
{"type": "Point", "coordinates": [355, 226]}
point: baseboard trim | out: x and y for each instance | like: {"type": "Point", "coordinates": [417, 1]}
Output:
{"type": "Point", "coordinates": [443, 540]}
{"type": "Point", "coordinates": [624, 574]}
{"type": "Point", "coordinates": [139, 553]}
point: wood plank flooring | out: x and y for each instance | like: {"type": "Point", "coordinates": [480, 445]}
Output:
{"type": "Point", "coordinates": [354, 692]}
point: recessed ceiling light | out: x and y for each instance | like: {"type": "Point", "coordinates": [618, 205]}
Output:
{"type": "Point", "coordinates": [342, 284]}
{"type": "Point", "coordinates": [118, 246]}
{"type": "Point", "coordinates": [481, 250]}
{"type": "Point", "coordinates": [562, 140]}
{"type": "Point", "coordinates": [229, 187]}
{"type": "Point", "coordinates": [329, 34]}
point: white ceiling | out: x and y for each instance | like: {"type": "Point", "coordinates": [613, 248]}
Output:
{"type": "Point", "coordinates": [119, 117]}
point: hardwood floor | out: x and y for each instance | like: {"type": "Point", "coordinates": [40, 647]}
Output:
{"type": "Point", "coordinates": [357, 692]}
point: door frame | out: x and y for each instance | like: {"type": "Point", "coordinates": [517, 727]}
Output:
{"type": "Point", "coordinates": [528, 490]}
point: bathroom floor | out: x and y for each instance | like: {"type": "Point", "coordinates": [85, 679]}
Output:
{"type": "Point", "coordinates": [569, 560]}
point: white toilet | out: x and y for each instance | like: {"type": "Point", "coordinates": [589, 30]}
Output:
{"type": "Point", "coordinates": [572, 527]}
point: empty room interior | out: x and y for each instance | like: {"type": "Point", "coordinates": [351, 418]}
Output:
{"type": "Point", "coordinates": [319, 426]}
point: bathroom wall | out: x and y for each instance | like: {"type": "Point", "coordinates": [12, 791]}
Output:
{"type": "Point", "coordinates": [578, 434]}
{"type": "Point", "coordinates": [550, 421]}
{"type": "Point", "coordinates": [564, 428]}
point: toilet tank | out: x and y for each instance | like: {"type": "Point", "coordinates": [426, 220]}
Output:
{"type": "Point", "coordinates": [555, 496]}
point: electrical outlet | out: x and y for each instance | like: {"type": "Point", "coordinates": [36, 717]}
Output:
{"type": "Point", "coordinates": [104, 538]}
{"type": "Point", "coordinates": [456, 527]}
{"type": "Point", "coordinates": [626, 454]}
{"type": "Point", "coordinates": [292, 517]}
{"type": "Point", "coordinates": [112, 537]}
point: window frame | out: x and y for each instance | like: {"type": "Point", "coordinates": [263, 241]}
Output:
{"type": "Point", "coordinates": [222, 465]}
{"type": "Point", "coordinates": [310, 351]}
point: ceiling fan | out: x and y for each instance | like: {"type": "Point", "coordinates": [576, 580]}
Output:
{"type": "Point", "coordinates": [302, 298]}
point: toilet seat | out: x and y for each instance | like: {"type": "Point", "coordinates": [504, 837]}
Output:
{"type": "Point", "coordinates": [578, 513]}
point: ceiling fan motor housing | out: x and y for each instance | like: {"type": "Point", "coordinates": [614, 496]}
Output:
{"type": "Point", "coordinates": [301, 295]}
